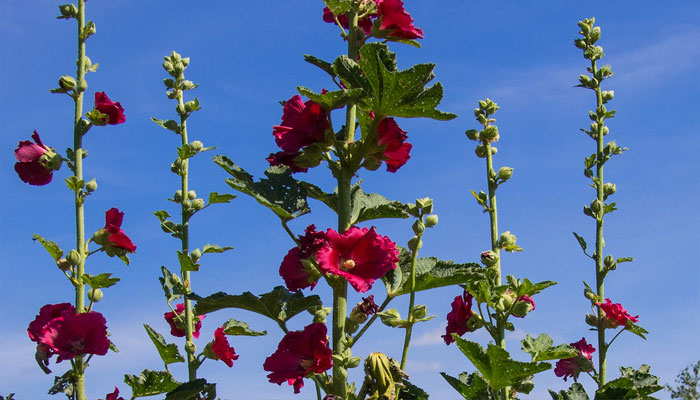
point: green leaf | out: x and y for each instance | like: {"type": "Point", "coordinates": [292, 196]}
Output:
{"type": "Point", "coordinates": [170, 124]}
{"type": "Point", "coordinates": [410, 391]}
{"type": "Point", "coordinates": [409, 42]}
{"type": "Point", "coordinates": [333, 100]}
{"type": "Point", "coordinates": [198, 389]}
{"type": "Point", "coordinates": [581, 242]}
{"type": "Point", "coordinates": [541, 348]}
{"type": "Point", "coordinates": [63, 384]}
{"type": "Point", "coordinates": [169, 352]}
{"type": "Point", "coordinates": [99, 281]}
{"type": "Point", "coordinates": [471, 387]}
{"type": "Point", "coordinates": [400, 93]}
{"type": "Point", "coordinates": [608, 208]}
{"type": "Point", "coordinates": [575, 392]}
{"type": "Point", "coordinates": [624, 259]}
{"type": "Point", "coordinates": [324, 65]}
{"type": "Point", "coordinates": [636, 329]}
{"type": "Point", "coordinates": [496, 366]}
{"type": "Point", "coordinates": [279, 305]}
{"type": "Point", "coordinates": [524, 386]}
{"type": "Point", "coordinates": [530, 289]}
{"type": "Point", "coordinates": [633, 384]}
{"type": "Point", "coordinates": [74, 184]}
{"type": "Point", "coordinates": [240, 328]}
{"type": "Point", "coordinates": [186, 263]}
{"type": "Point", "coordinates": [391, 318]}
{"type": "Point", "coordinates": [215, 197]}
{"type": "Point", "coordinates": [212, 248]}
{"type": "Point", "coordinates": [430, 273]}
{"type": "Point", "coordinates": [151, 383]}
{"type": "Point", "coordinates": [162, 215]}
{"type": "Point", "coordinates": [172, 285]}
{"type": "Point", "coordinates": [350, 73]}
{"type": "Point", "coordinates": [281, 193]}
{"type": "Point", "coordinates": [339, 6]}
{"type": "Point", "coordinates": [51, 247]}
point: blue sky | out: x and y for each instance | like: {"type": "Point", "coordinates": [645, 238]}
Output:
{"type": "Point", "coordinates": [246, 58]}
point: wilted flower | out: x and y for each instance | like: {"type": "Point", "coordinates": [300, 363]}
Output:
{"type": "Point", "coordinates": [396, 149]}
{"type": "Point", "coordinates": [302, 124]}
{"type": "Point", "coordinates": [36, 161]}
{"type": "Point", "coordinates": [572, 367]}
{"type": "Point", "coordinates": [176, 320]}
{"type": "Point", "coordinates": [298, 275]}
{"type": "Point", "coordinates": [221, 348]}
{"type": "Point", "coordinates": [364, 309]}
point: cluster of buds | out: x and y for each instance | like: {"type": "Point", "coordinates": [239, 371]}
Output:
{"type": "Point", "coordinates": [422, 210]}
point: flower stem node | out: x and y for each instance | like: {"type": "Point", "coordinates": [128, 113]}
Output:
{"type": "Point", "coordinates": [431, 221]}
{"type": "Point", "coordinates": [489, 258]}
{"type": "Point", "coordinates": [73, 257]}
{"type": "Point", "coordinates": [95, 295]}
{"type": "Point", "coordinates": [68, 11]}
{"type": "Point", "coordinates": [414, 243]}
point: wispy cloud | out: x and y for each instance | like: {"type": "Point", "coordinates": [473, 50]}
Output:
{"type": "Point", "coordinates": [431, 337]}
{"type": "Point", "coordinates": [417, 366]}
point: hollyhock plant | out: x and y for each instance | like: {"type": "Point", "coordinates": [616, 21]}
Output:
{"type": "Point", "coordinates": [112, 236]}
{"type": "Point", "coordinates": [393, 139]}
{"type": "Point", "coordinates": [522, 306]}
{"type": "Point", "coordinates": [296, 275]}
{"type": "Point", "coordinates": [177, 322]}
{"type": "Point", "coordinates": [615, 314]}
{"type": "Point", "coordinates": [221, 348]}
{"type": "Point", "coordinates": [113, 110]}
{"type": "Point", "coordinates": [458, 319]}
{"type": "Point", "coordinates": [364, 23]}
{"type": "Point", "coordinates": [359, 255]}
{"type": "Point", "coordinates": [36, 161]}
{"type": "Point", "coordinates": [300, 354]}
{"type": "Point", "coordinates": [73, 334]}
{"type": "Point", "coordinates": [396, 20]}
{"type": "Point", "coordinates": [302, 124]}
{"type": "Point", "coordinates": [286, 159]}
{"type": "Point", "coordinates": [572, 367]}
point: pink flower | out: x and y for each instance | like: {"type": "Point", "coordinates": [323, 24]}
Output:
{"type": "Point", "coordinates": [296, 276]}
{"type": "Point", "coordinates": [615, 314]}
{"type": "Point", "coordinates": [522, 306]}
{"type": "Point", "coordinates": [222, 349]}
{"type": "Point", "coordinates": [177, 324]}
{"type": "Point", "coordinates": [302, 124]}
{"type": "Point", "coordinates": [393, 138]}
{"type": "Point", "coordinates": [396, 20]}
{"type": "Point", "coordinates": [458, 318]}
{"type": "Point", "coordinates": [359, 255]}
{"type": "Point", "coordinates": [113, 110]}
{"type": "Point", "coordinates": [572, 367]}
{"type": "Point", "coordinates": [114, 395]}
{"type": "Point", "coordinates": [117, 238]}
{"type": "Point", "coordinates": [287, 159]}
{"type": "Point", "coordinates": [364, 23]}
{"type": "Point", "coordinates": [36, 161]}
{"type": "Point", "coordinates": [300, 354]}
{"type": "Point", "coordinates": [73, 334]}
{"type": "Point", "coordinates": [46, 314]}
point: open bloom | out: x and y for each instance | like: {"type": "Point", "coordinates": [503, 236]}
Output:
{"type": "Point", "coordinates": [458, 320]}
{"type": "Point", "coordinates": [396, 20]}
{"type": "Point", "coordinates": [36, 329]}
{"type": "Point", "coordinates": [359, 255]}
{"type": "Point", "coordinates": [114, 395]}
{"type": "Point", "coordinates": [36, 161]}
{"type": "Point", "coordinates": [615, 314]}
{"type": "Point", "coordinates": [302, 124]}
{"type": "Point", "coordinates": [112, 237]}
{"type": "Point", "coordinates": [572, 367]}
{"type": "Point", "coordinates": [222, 349]}
{"type": "Point", "coordinates": [396, 149]}
{"type": "Point", "coordinates": [113, 110]}
{"type": "Point", "coordinates": [73, 334]}
{"type": "Point", "coordinates": [300, 354]}
{"type": "Point", "coordinates": [295, 273]}
{"type": "Point", "coordinates": [177, 322]}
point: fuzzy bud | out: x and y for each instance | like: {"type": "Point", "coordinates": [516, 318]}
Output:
{"type": "Point", "coordinates": [506, 239]}
{"type": "Point", "coordinates": [480, 151]}
{"type": "Point", "coordinates": [195, 254]}
{"type": "Point", "coordinates": [190, 348]}
{"type": "Point", "coordinates": [431, 221]}
{"type": "Point", "coordinates": [91, 186]}
{"type": "Point", "coordinates": [489, 258]}
{"type": "Point", "coordinates": [191, 194]}
{"type": "Point", "coordinates": [63, 265]}
{"type": "Point", "coordinates": [67, 82]}
{"type": "Point", "coordinates": [415, 244]}
{"type": "Point", "coordinates": [609, 188]}
{"type": "Point", "coordinates": [95, 295]}
{"type": "Point", "coordinates": [177, 196]}
{"type": "Point", "coordinates": [472, 134]}
{"type": "Point", "coordinates": [418, 227]}
{"type": "Point", "coordinates": [596, 206]}
{"type": "Point", "coordinates": [490, 133]}
{"type": "Point", "coordinates": [506, 301]}
{"type": "Point", "coordinates": [505, 173]}
{"type": "Point", "coordinates": [68, 11]}
{"type": "Point", "coordinates": [196, 145]}
{"type": "Point", "coordinates": [591, 320]}
{"type": "Point", "coordinates": [73, 257]}
{"type": "Point", "coordinates": [523, 306]}
{"type": "Point", "coordinates": [197, 204]}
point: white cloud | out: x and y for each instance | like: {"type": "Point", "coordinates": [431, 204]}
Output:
{"type": "Point", "coordinates": [417, 366]}
{"type": "Point", "coordinates": [431, 337]}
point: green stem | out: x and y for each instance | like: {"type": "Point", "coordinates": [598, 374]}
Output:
{"type": "Point", "coordinates": [369, 323]}
{"type": "Point", "coordinates": [411, 303]}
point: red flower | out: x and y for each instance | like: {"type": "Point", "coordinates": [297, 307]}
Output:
{"type": "Point", "coordinates": [522, 306]}
{"type": "Point", "coordinates": [364, 23]}
{"type": "Point", "coordinates": [395, 19]}
{"type": "Point", "coordinates": [295, 274]}
{"type": "Point", "coordinates": [36, 161]}
{"type": "Point", "coordinates": [222, 349]}
{"type": "Point", "coordinates": [396, 151]}
{"type": "Point", "coordinates": [114, 395]}
{"type": "Point", "coordinates": [572, 367]}
{"type": "Point", "coordinates": [615, 314]}
{"type": "Point", "coordinates": [287, 159]}
{"type": "Point", "coordinates": [359, 255]}
{"type": "Point", "coordinates": [302, 124]}
{"type": "Point", "coordinates": [458, 318]}
{"type": "Point", "coordinates": [300, 354]}
{"type": "Point", "coordinates": [177, 324]}
{"type": "Point", "coordinates": [46, 314]}
{"type": "Point", "coordinates": [113, 110]}
{"type": "Point", "coordinates": [73, 334]}
{"type": "Point", "coordinates": [112, 236]}
{"type": "Point", "coordinates": [311, 242]}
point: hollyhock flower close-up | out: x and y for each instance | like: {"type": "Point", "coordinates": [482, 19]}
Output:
{"type": "Point", "coordinates": [36, 161]}
{"type": "Point", "coordinates": [393, 139]}
{"type": "Point", "coordinates": [302, 124]}
{"type": "Point", "coordinates": [298, 355]}
{"type": "Point", "coordinates": [177, 325]}
{"type": "Point", "coordinates": [113, 110]}
{"type": "Point", "coordinates": [572, 367]}
{"type": "Point", "coordinates": [46, 314]}
{"type": "Point", "coordinates": [458, 318]}
{"type": "Point", "coordinates": [73, 334]}
{"type": "Point", "coordinates": [615, 314]}
{"type": "Point", "coordinates": [359, 255]}
{"type": "Point", "coordinates": [396, 20]}
{"type": "Point", "coordinates": [112, 236]}
{"type": "Point", "coordinates": [222, 349]}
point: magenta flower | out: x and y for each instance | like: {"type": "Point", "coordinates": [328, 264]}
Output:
{"type": "Point", "coordinates": [311, 241]}
{"type": "Point", "coordinates": [114, 395]}
{"type": "Point", "coordinates": [302, 124]}
{"type": "Point", "coordinates": [396, 20]}
{"type": "Point", "coordinates": [572, 367]}
{"type": "Point", "coordinates": [73, 334]}
{"type": "Point", "coordinates": [36, 161]}
{"type": "Point", "coordinates": [222, 349]}
{"type": "Point", "coordinates": [364, 23]}
{"type": "Point", "coordinates": [117, 238]}
{"type": "Point", "coordinates": [300, 354]}
{"type": "Point", "coordinates": [297, 276]}
{"type": "Point", "coordinates": [396, 149]}
{"type": "Point", "coordinates": [359, 255]}
{"type": "Point", "coordinates": [113, 110]}
{"type": "Point", "coordinates": [177, 324]}
{"type": "Point", "coordinates": [615, 314]}
{"type": "Point", "coordinates": [46, 314]}
{"type": "Point", "coordinates": [458, 318]}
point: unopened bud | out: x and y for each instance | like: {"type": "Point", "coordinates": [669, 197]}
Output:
{"type": "Point", "coordinates": [419, 311]}
{"type": "Point", "coordinates": [190, 106]}
{"type": "Point", "coordinates": [197, 204]}
{"type": "Point", "coordinates": [63, 265]}
{"type": "Point", "coordinates": [590, 295]}
{"type": "Point", "coordinates": [474, 322]}
{"type": "Point", "coordinates": [506, 301]}
{"type": "Point", "coordinates": [91, 186]}
{"type": "Point", "coordinates": [73, 257]}
{"type": "Point", "coordinates": [609, 262]}
{"type": "Point", "coordinates": [480, 151]}
{"type": "Point", "coordinates": [472, 134]}
{"type": "Point", "coordinates": [523, 306]}
{"type": "Point", "coordinates": [418, 227]}
{"type": "Point", "coordinates": [415, 243]}
{"type": "Point", "coordinates": [596, 206]}
{"type": "Point", "coordinates": [196, 254]}
{"type": "Point", "coordinates": [609, 188]}
{"type": "Point", "coordinates": [168, 66]}
{"type": "Point", "coordinates": [190, 348]}
{"type": "Point", "coordinates": [490, 133]}
{"type": "Point", "coordinates": [506, 239]}
{"type": "Point", "coordinates": [431, 221]}
{"type": "Point", "coordinates": [169, 83]}
{"type": "Point", "coordinates": [67, 82]}
{"type": "Point", "coordinates": [489, 258]}
{"type": "Point", "coordinates": [185, 61]}
{"type": "Point", "coordinates": [68, 11]}
{"type": "Point", "coordinates": [191, 194]}
{"type": "Point", "coordinates": [378, 371]}
{"type": "Point", "coordinates": [95, 295]}
{"type": "Point", "coordinates": [591, 320]}
{"type": "Point", "coordinates": [505, 173]}
{"type": "Point", "coordinates": [196, 145]}
{"type": "Point", "coordinates": [178, 196]}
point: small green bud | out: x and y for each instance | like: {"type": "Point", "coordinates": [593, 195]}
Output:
{"type": "Point", "coordinates": [198, 204]}
{"type": "Point", "coordinates": [196, 145]}
{"type": "Point", "coordinates": [425, 204]}
{"type": "Point", "coordinates": [505, 173]}
{"type": "Point", "coordinates": [190, 106]}
{"type": "Point", "coordinates": [191, 194]}
{"type": "Point", "coordinates": [506, 239]}
{"type": "Point", "coordinates": [185, 61]}
{"type": "Point", "coordinates": [590, 295]}
{"type": "Point", "coordinates": [523, 306]}
{"type": "Point", "coordinates": [177, 196]}
{"type": "Point", "coordinates": [591, 320]}
{"type": "Point", "coordinates": [168, 66]}
{"type": "Point", "coordinates": [474, 322]}
{"type": "Point", "coordinates": [190, 348]}
{"type": "Point", "coordinates": [178, 67]}
{"type": "Point", "coordinates": [180, 109]}
{"type": "Point", "coordinates": [63, 265]}
{"type": "Point", "coordinates": [480, 151]}
{"type": "Point", "coordinates": [494, 150]}
{"type": "Point", "coordinates": [489, 258]}
{"type": "Point", "coordinates": [431, 221]}
{"type": "Point", "coordinates": [608, 95]}
{"type": "Point", "coordinates": [95, 295]}
{"type": "Point", "coordinates": [175, 56]}
{"type": "Point", "coordinates": [391, 318]}
{"type": "Point", "coordinates": [609, 188]}
{"type": "Point", "coordinates": [68, 11]}
{"type": "Point", "coordinates": [596, 206]}
{"type": "Point", "coordinates": [609, 262]}
{"type": "Point", "coordinates": [195, 255]}
{"type": "Point", "coordinates": [415, 244]}
{"type": "Point", "coordinates": [372, 163]}
{"type": "Point", "coordinates": [419, 311]}
{"type": "Point", "coordinates": [67, 82]}
{"type": "Point", "coordinates": [472, 134]}
{"type": "Point", "coordinates": [176, 166]}
{"type": "Point", "coordinates": [481, 118]}
{"type": "Point", "coordinates": [418, 227]}
{"type": "Point", "coordinates": [595, 34]}
{"type": "Point", "coordinates": [73, 257]}
{"type": "Point", "coordinates": [82, 85]}
{"type": "Point", "coordinates": [490, 133]}
{"type": "Point", "coordinates": [187, 85]}
{"type": "Point", "coordinates": [506, 301]}
{"type": "Point", "coordinates": [91, 186]}
{"type": "Point", "coordinates": [169, 83]}
{"type": "Point", "coordinates": [378, 370]}
{"type": "Point", "coordinates": [169, 227]}
{"type": "Point", "coordinates": [587, 211]}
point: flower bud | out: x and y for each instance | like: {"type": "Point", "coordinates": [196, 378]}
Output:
{"type": "Point", "coordinates": [178, 67]}
{"type": "Point", "coordinates": [169, 227]}
{"type": "Point", "coordinates": [505, 173]}
{"type": "Point", "coordinates": [378, 371]}
{"type": "Point", "coordinates": [195, 254]}
{"type": "Point", "coordinates": [506, 239]}
{"type": "Point", "coordinates": [425, 204]}
{"type": "Point", "coordinates": [191, 194]}
{"type": "Point", "coordinates": [472, 134]}
{"type": "Point", "coordinates": [372, 163]}
{"type": "Point", "coordinates": [64, 265]}
{"type": "Point", "coordinates": [590, 295]}
{"type": "Point", "coordinates": [489, 258]}
{"type": "Point", "coordinates": [197, 204]}
{"type": "Point", "coordinates": [190, 106]}
{"type": "Point", "coordinates": [180, 109]}
{"type": "Point", "coordinates": [68, 11]}
{"type": "Point", "coordinates": [596, 206]}
{"type": "Point", "coordinates": [480, 151]}
{"type": "Point", "coordinates": [523, 306]}
{"type": "Point", "coordinates": [185, 61]}
{"type": "Point", "coordinates": [177, 196]}
{"type": "Point", "coordinates": [419, 311]}
{"type": "Point", "coordinates": [609, 188]}
{"type": "Point", "coordinates": [591, 320]}
{"type": "Point", "coordinates": [91, 186]}
{"type": "Point", "coordinates": [67, 82]}
{"type": "Point", "coordinates": [608, 95]}
{"type": "Point", "coordinates": [418, 227]}
{"type": "Point", "coordinates": [169, 83]}
{"type": "Point", "coordinates": [431, 221]}
{"type": "Point", "coordinates": [415, 244]}
{"type": "Point", "coordinates": [474, 322]}
{"type": "Point", "coordinates": [190, 348]}
{"type": "Point", "coordinates": [494, 150]}
{"type": "Point", "coordinates": [95, 295]}
{"type": "Point", "coordinates": [196, 145]}
{"type": "Point", "coordinates": [73, 257]}
{"type": "Point", "coordinates": [609, 262]}
{"type": "Point", "coordinates": [490, 133]}
{"type": "Point", "coordinates": [506, 301]}
{"type": "Point", "coordinates": [168, 66]}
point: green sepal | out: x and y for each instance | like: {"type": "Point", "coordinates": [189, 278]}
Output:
{"type": "Point", "coordinates": [541, 349]}
{"type": "Point", "coordinates": [168, 352]}
{"type": "Point", "coordinates": [575, 392]}
{"type": "Point", "coordinates": [198, 389]}
{"type": "Point", "coordinates": [633, 384]}
{"type": "Point", "coordinates": [495, 364]}
{"type": "Point", "coordinates": [470, 386]}
{"type": "Point", "coordinates": [186, 263]}
{"type": "Point", "coordinates": [332, 100]}
{"type": "Point", "coordinates": [324, 65]}
{"type": "Point", "coordinates": [239, 328]}
{"type": "Point", "coordinates": [216, 198]}
{"type": "Point", "coordinates": [172, 285]}
{"type": "Point", "coordinates": [636, 329]}
{"type": "Point", "coordinates": [151, 383]}
{"type": "Point", "coordinates": [51, 247]}
{"type": "Point", "coordinates": [282, 194]}
{"type": "Point", "coordinates": [99, 281]}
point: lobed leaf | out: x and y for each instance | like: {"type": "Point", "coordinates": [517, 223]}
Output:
{"type": "Point", "coordinates": [168, 352]}
{"type": "Point", "coordinates": [151, 383]}
{"type": "Point", "coordinates": [333, 100]}
{"type": "Point", "coordinates": [51, 247]}
{"type": "Point", "coordinates": [633, 384]}
{"type": "Point", "coordinates": [172, 285]}
{"type": "Point", "coordinates": [99, 281]}
{"type": "Point", "coordinates": [470, 386]}
{"type": "Point", "coordinates": [240, 328]}
{"type": "Point", "coordinates": [575, 392]}
{"type": "Point", "coordinates": [324, 65]}
{"type": "Point", "coordinates": [541, 348]}
{"type": "Point", "coordinates": [198, 389]}
{"type": "Point", "coordinates": [215, 198]}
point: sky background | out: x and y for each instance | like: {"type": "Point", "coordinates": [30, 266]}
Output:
{"type": "Point", "coordinates": [246, 57]}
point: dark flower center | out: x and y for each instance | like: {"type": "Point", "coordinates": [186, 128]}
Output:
{"type": "Point", "coordinates": [77, 346]}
